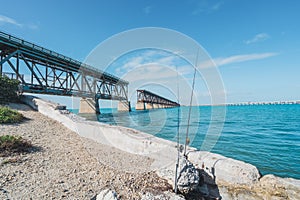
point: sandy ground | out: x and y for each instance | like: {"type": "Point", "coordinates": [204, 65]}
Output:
{"type": "Point", "coordinates": [66, 166]}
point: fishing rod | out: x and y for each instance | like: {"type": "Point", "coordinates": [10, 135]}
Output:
{"type": "Point", "coordinates": [178, 122]}
{"type": "Point", "coordinates": [190, 107]}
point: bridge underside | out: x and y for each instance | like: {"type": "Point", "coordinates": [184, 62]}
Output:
{"type": "Point", "coordinates": [43, 71]}
{"type": "Point", "coordinates": [147, 100]}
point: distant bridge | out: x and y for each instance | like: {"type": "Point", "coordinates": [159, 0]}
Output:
{"type": "Point", "coordinates": [43, 71]}
{"type": "Point", "coordinates": [148, 100]}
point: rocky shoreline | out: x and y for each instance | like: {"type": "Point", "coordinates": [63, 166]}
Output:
{"type": "Point", "coordinates": [80, 161]}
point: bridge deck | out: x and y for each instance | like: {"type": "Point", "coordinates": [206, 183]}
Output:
{"type": "Point", "coordinates": [9, 44]}
{"type": "Point", "coordinates": [53, 73]}
{"type": "Point", "coordinates": [146, 96]}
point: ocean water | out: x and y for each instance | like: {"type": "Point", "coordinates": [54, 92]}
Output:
{"type": "Point", "coordinates": [267, 136]}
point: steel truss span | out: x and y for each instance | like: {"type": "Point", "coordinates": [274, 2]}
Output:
{"type": "Point", "coordinates": [40, 70]}
{"type": "Point", "coordinates": [145, 96]}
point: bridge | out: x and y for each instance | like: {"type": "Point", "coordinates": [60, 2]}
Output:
{"type": "Point", "coordinates": [148, 100]}
{"type": "Point", "coordinates": [43, 71]}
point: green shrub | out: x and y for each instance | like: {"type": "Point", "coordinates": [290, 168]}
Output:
{"type": "Point", "coordinates": [13, 144]}
{"type": "Point", "coordinates": [8, 90]}
{"type": "Point", "coordinates": [8, 115]}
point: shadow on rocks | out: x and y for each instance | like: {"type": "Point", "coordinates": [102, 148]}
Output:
{"type": "Point", "coordinates": [197, 184]}
{"type": "Point", "coordinates": [207, 188]}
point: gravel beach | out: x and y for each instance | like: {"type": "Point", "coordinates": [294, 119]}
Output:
{"type": "Point", "coordinates": [65, 166]}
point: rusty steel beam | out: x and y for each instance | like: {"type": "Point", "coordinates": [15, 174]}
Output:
{"type": "Point", "coordinates": [48, 72]}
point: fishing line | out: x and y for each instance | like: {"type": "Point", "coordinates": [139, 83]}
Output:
{"type": "Point", "coordinates": [190, 106]}
{"type": "Point", "coordinates": [178, 134]}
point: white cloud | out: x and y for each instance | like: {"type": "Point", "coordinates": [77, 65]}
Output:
{"type": "Point", "coordinates": [243, 58]}
{"type": "Point", "coordinates": [235, 59]}
{"type": "Point", "coordinates": [133, 63]}
{"type": "Point", "coordinates": [146, 58]}
{"type": "Point", "coordinates": [217, 6]}
{"type": "Point", "coordinates": [173, 62]}
{"type": "Point", "coordinates": [150, 72]}
{"type": "Point", "coordinates": [258, 38]}
{"type": "Point", "coordinates": [169, 60]}
{"type": "Point", "coordinates": [185, 70]}
{"type": "Point", "coordinates": [206, 7]}
{"type": "Point", "coordinates": [8, 20]}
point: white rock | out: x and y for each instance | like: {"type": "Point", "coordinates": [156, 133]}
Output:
{"type": "Point", "coordinates": [225, 193]}
{"type": "Point", "coordinates": [188, 177]}
{"type": "Point", "coordinates": [225, 169]}
{"type": "Point", "coordinates": [106, 195]}
{"type": "Point", "coordinates": [164, 196]}
{"type": "Point", "coordinates": [289, 186]}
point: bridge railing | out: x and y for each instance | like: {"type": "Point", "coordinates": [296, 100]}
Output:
{"type": "Point", "coordinates": [12, 75]}
{"type": "Point", "coordinates": [20, 42]}
{"type": "Point", "coordinates": [149, 97]}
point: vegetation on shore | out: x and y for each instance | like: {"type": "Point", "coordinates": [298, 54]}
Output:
{"type": "Point", "coordinates": [10, 144]}
{"type": "Point", "coordinates": [8, 90]}
{"type": "Point", "coordinates": [8, 115]}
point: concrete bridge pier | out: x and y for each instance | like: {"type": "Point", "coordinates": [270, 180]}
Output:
{"type": "Point", "coordinates": [97, 106]}
{"type": "Point", "coordinates": [124, 106]}
{"type": "Point", "coordinates": [147, 100]}
{"type": "Point", "coordinates": [149, 106]}
{"type": "Point", "coordinates": [89, 105]}
{"type": "Point", "coordinates": [140, 106]}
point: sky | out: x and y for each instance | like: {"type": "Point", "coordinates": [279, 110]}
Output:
{"type": "Point", "coordinates": [254, 44]}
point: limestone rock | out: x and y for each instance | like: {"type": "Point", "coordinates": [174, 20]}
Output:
{"type": "Point", "coordinates": [225, 169]}
{"type": "Point", "coordinates": [106, 195]}
{"type": "Point", "coordinates": [268, 187]}
{"type": "Point", "coordinates": [188, 178]}
{"type": "Point", "coordinates": [273, 186]}
{"type": "Point", "coordinates": [163, 196]}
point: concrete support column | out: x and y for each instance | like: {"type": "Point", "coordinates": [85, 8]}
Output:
{"type": "Point", "coordinates": [140, 106]}
{"type": "Point", "coordinates": [89, 105]}
{"type": "Point", "coordinates": [97, 106]}
{"type": "Point", "coordinates": [155, 106]}
{"type": "Point", "coordinates": [149, 106]}
{"type": "Point", "coordinates": [124, 106]}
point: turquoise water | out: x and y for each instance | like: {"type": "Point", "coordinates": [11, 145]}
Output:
{"type": "Point", "coordinates": [267, 136]}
